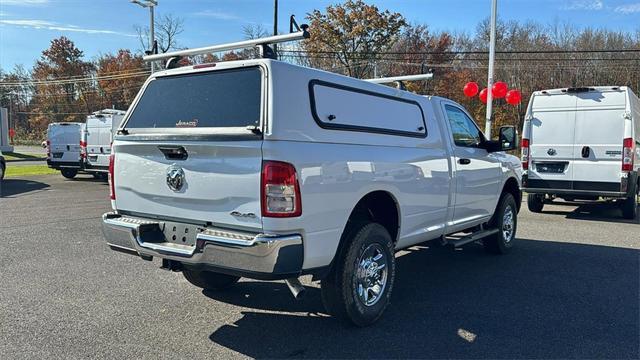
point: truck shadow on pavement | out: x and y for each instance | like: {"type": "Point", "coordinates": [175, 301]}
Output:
{"type": "Point", "coordinates": [12, 187]}
{"type": "Point", "coordinates": [544, 299]}
{"type": "Point", "coordinates": [600, 211]}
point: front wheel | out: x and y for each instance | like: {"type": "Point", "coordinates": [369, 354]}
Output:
{"type": "Point", "coordinates": [69, 173]}
{"type": "Point", "coordinates": [209, 280]}
{"type": "Point", "coordinates": [358, 289]}
{"type": "Point", "coordinates": [535, 202]}
{"type": "Point", "coordinates": [505, 220]}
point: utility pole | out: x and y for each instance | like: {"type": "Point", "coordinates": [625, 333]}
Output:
{"type": "Point", "coordinates": [275, 25]}
{"type": "Point", "coordinates": [492, 54]}
{"type": "Point", "coordinates": [151, 4]}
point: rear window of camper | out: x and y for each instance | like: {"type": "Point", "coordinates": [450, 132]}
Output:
{"type": "Point", "coordinates": [224, 98]}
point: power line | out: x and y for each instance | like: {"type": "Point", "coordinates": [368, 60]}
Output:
{"type": "Point", "coordinates": [468, 52]}
{"type": "Point", "coordinates": [75, 81]}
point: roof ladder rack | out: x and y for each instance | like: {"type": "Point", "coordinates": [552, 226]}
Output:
{"type": "Point", "coordinates": [399, 80]}
{"type": "Point", "coordinates": [262, 44]}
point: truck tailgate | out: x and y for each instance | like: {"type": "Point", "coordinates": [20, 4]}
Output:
{"type": "Point", "coordinates": [221, 182]}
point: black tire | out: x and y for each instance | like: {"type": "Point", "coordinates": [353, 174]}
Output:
{"type": "Point", "coordinates": [209, 280]}
{"type": "Point", "coordinates": [630, 205]}
{"type": "Point", "coordinates": [69, 173]}
{"type": "Point", "coordinates": [507, 225]}
{"type": "Point", "coordinates": [341, 288]}
{"type": "Point", "coordinates": [535, 202]}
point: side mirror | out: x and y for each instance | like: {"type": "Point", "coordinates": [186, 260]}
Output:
{"type": "Point", "coordinates": [507, 138]}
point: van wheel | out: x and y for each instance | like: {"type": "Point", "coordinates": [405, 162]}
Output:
{"type": "Point", "coordinates": [630, 205]}
{"type": "Point", "coordinates": [359, 287]}
{"type": "Point", "coordinates": [209, 280]}
{"type": "Point", "coordinates": [506, 221]}
{"type": "Point", "coordinates": [69, 173]}
{"type": "Point", "coordinates": [535, 202]}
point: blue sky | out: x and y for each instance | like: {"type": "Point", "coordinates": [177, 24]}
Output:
{"type": "Point", "coordinates": [99, 26]}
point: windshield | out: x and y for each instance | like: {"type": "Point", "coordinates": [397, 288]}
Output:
{"type": "Point", "coordinates": [225, 98]}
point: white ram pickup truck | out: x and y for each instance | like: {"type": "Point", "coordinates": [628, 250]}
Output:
{"type": "Point", "coordinates": [267, 170]}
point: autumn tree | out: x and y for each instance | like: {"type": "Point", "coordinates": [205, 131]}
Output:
{"type": "Point", "coordinates": [120, 78]}
{"type": "Point", "coordinates": [350, 37]}
{"type": "Point", "coordinates": [61, 81]}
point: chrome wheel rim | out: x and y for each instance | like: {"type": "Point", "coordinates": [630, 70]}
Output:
{"type": "Point", "coordinates": [371, 275]}
{"type": "Point", "coordinates": [508, 224]}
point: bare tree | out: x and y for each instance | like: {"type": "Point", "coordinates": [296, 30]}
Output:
{"type": "Point", "coordinates": [167, 29]}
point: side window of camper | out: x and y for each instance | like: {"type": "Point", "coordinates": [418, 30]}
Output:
{"type": "Point", "coordinates": [341, 107]}
{"type": "Point", "coordinates": [465, 132]}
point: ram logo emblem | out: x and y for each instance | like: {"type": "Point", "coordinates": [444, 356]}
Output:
{"type": "Point", "coordinates": [175, 178]}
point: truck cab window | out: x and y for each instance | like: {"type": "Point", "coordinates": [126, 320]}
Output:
{"type": "Point", "coordinates": [464, 130]}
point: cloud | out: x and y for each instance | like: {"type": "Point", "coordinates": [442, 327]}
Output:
{"type": "Point", "coordinates": [220, 15]}
{"type": "Point", "coordinates": [25, 2]}
{"type": "Point", "coordinates": [48, 25]}
{"type": "Point", "coordinates": [628, 8]}
{"type": "Point", "coordinates": [585, 5]}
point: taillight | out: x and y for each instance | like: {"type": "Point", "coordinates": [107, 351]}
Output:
{"type": "Point", "coordinates": [48, 148]}
{"type": "Point", "coordinates": [112, 187]}
{"type": "Point", "coordinates": [83, 149]}
{"type": "Point", "coordinates": [627, 154]}
{"type": "Point", "coordinates": [525, 154]}
{"type": "Point", "coordinates": [280, 190]}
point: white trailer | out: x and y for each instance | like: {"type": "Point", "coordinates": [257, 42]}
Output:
{"type": "Point", "coordinates": [582, 144]}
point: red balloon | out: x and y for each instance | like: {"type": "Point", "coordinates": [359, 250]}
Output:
{"type": "Point", "coordinates": [513, 97]}
{"type": "Point", "coordinates": [499, 90]}
{"type": "Point", "coordinates": [483, 95]}
{"type": "Point", "coordinates": [470, 89]}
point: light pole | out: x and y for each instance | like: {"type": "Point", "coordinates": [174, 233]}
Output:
{"type": "Point", "coordinates": [151, 4]}
{"type": "Point", "coordinates": [492, 54]}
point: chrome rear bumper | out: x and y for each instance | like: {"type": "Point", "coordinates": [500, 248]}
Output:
{"type": "Point", "coordinates": [258, 256]}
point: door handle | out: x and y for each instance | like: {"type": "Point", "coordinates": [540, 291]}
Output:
{"type": "Point", "coordinates": [464, 161]}
{"type": "Point", "coordinates": [174, 152]}
{"type": "Point", "coordinates": [586, 152]}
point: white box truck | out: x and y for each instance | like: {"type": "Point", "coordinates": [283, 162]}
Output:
{"type": "Point", "coordinates": [582, 144]}
{"type": "Point", "coordinates": [63, 148]}
{"type": "Point", "coordinates": [96, 140]}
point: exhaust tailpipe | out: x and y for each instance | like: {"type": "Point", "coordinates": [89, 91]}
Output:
{"type": "Point", "coordinates": [296, 288]}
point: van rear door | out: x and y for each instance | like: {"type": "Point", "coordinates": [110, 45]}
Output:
{"type": "Point", "coordinates": [64, 142]}
{"type": "Point", "coordinates": [598, 137]}
{"type": "Point", "coordinates": [99, 140]}
{"type": "Point", "coordinates": [191, 149]}
{"type": "Point", "coordinates": [552, 139]}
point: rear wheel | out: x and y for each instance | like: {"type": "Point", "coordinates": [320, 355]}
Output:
{"type": "Point", "coordinates": [69, 173]}
{"type": "Point", "coordinates": [535, 202]}
{"type": "Point", "coordinates": [359, 287]}
{"type": "Point", "coordinates": [209, 280]}
{"type": "Point", "coordinates": [506, 221]}
{"type": "Point", "coordinates": [630, 205]}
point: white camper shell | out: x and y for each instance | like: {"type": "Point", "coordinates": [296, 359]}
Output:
{"type": "Point", "coordinates": [584, 144]}
{"type": "Point", "coordinates": [63, 147]}
{"type": "Point", "coordinates": [97, 137]}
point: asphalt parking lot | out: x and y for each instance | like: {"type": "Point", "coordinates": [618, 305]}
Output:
{"type": "Point", "coordinates": [570, 289]}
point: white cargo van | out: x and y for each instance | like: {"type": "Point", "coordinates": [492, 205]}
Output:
{"type": "Point", "coordinates": [96, 139]}
{"type": "Point", "coordinates": [582, 144]}
{"type": "Point", "coordinates": [63, 148]}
